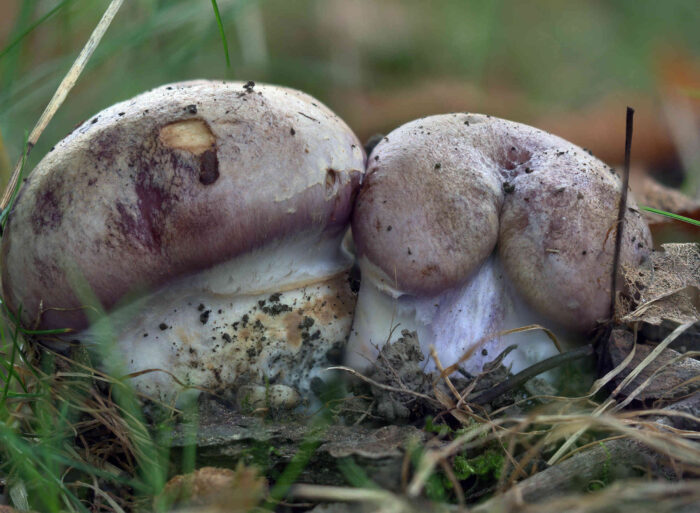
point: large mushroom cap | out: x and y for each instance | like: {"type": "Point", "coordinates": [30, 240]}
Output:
{"type": "Point", "coordinates": [444, 192]}
{"type": "Point", "coordinates": [171, 182]}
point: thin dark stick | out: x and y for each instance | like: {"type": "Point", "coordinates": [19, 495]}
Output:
{"type": "Point", "coordinates": [529, 373]}
{"type": "Point", "coordinates": [622, 209]}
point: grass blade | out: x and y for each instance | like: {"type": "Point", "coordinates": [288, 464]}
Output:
{"type": "Point", "coordinates": [217, 14]}
{"type": "Point", "coordinates": [15, 188]}
{"type": "Point", "coordinates": [10, 369]}
{"type": "Point", "coordinates": [672, 215]}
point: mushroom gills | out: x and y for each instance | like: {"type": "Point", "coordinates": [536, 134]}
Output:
{"type": "Point", "coordinates": [276, 316]}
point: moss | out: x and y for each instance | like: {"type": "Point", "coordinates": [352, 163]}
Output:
{"type": "Point", "coordinates": [488, 464]}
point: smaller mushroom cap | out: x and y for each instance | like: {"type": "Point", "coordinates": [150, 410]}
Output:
{"type": "Point", "coordinates": [443, 192]}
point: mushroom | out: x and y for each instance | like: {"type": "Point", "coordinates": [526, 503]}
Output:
{"type": "Point", "coordinates": [467, 225]}
{"type": "Point", "coordinates": [206, 218]}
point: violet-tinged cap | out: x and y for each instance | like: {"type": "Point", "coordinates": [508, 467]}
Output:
{"type": "Point", "coordinates": [443, 192]}
{"type": "Point", "coordinates": [171, 182]}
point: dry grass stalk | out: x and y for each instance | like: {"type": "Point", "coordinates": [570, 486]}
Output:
{"type": "Point", "coordinates": [384, 501]}
{"type": "Point", "coordinates": [628, 379]}
{"type": "Point", "coordinates": [60, 95]}
{"type": "Point", "coordinates": [632, 395]}
{"type": "Point", "coordinates": [627, 496]}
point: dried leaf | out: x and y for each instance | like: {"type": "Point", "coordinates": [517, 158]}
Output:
{"type": "Point", "coordinates": [665, 288]}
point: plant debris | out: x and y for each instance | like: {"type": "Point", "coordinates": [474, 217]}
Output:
{"type": "Point", "coordinates": [664, 293]}
{"type": "Point", "coordinates": [669, 376]}
{"type": "Point", "coordinates": [666, 287]}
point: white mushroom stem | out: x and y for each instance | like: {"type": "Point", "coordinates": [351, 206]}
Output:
{"type": "Point", "coordinates": [473, 313]}
{"type": "Point", "coordinates": [266, 317]}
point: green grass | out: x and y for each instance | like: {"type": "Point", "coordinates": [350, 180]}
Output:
{"type": "Point", "coordinates": [18, 39]}
{"type": "Point", "coordinates": [6, 211]}
{"type": "Point", "coordinates": [55, 421]}
{"type": "Point", "coordinates": [222, 33]}
{"type": "Point", "coordinates": [40, 413]}
{"type": "Point", "coordinates": [671, 215]}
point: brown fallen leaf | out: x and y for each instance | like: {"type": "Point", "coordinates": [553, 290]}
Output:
{"type": "Point", "coordinates": [665, 288]}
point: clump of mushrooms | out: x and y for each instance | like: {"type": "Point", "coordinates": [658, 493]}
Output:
{"type": "Point", "coordinates": [206, 217]}
{"type": "Point", "coordinates": [467, 225]}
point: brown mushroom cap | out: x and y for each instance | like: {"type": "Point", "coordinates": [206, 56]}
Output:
{"type": "Point", "coordinates": [169, 183]}
{"type": "Point", "coordinates": [442, 193]}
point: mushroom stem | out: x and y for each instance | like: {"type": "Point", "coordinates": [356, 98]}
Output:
{"type": "Point", "coordinates": [276, 313]}
{"type": "Point", "coordinates": [451, 321]}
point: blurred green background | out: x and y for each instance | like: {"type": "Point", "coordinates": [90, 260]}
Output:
{"type": "Point", "coordinates": [567, 66]}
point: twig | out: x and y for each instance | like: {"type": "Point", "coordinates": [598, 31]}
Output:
{"type": "Point", "coordinates": [529, 373]}
{"type": "Point", "coordinates": [364, 414]}
{"type": "Point", "coordinates": [476, 345]}
{"type": "Point", "coordinates": [338, 493]}
{"type": "Point", "coordinates": [456, 413]}
{"type": "Point", "coordinates": [621, 210]}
